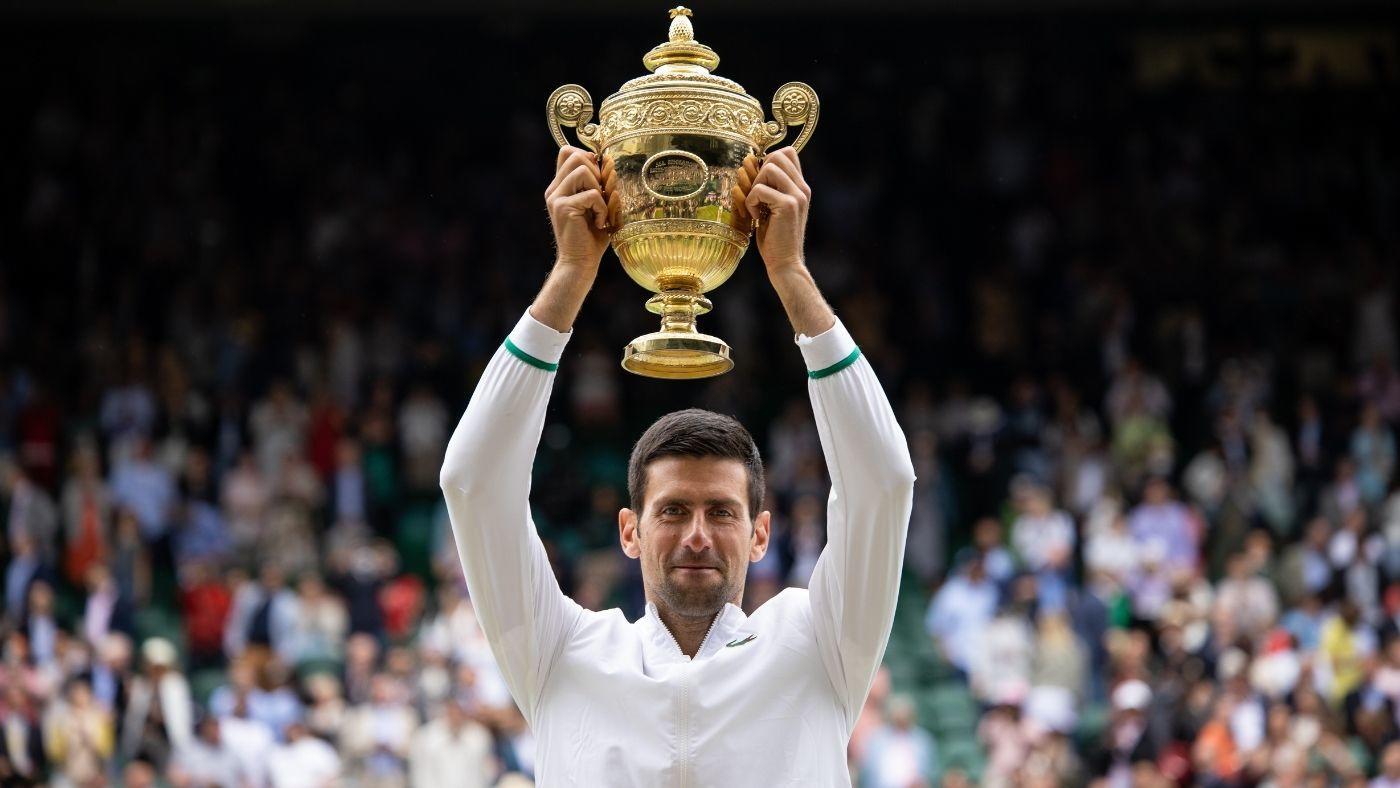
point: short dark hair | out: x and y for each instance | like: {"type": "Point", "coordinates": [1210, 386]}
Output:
{"type": "Point", "coordinates": [695, 433]}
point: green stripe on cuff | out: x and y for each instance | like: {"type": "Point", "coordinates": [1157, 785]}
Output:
{"type": "Point", "coordinates": [837, 367]}
{"type": "Point", "coordinates": [531, 360]}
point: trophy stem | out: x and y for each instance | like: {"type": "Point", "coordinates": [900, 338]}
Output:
{"type": "Point", "coordinates": [679, 308]}
{"type": "Point", "coordinates": [678, 351]}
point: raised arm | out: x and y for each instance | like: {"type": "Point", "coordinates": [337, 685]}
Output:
{"type": "Point", "coordinates": [855, 584]}
{"type": "Point", "coordinates": [486, 473]}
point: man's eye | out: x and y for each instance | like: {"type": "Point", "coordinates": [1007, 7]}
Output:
{"type": "Point", "coordinates": [672, 511]}
{"type": "Point", "coordinates": [723, 513]}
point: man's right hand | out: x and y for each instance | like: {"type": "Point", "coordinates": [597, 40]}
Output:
{"type": "Point", "coordinates": [578, 209]}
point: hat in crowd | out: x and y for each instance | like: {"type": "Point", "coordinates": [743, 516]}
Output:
{"type": "Point", "coordinates": [1052, 708]}
{"type": "Point", "coordinates": [1132, 695]}
{"type": "Point", "coordinates": [159, 652]}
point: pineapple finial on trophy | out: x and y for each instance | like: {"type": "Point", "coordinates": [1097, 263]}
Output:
{"type": "Point", "coordinates": [681, 29]}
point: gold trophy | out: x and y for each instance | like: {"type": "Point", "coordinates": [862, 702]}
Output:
{"type": "Point", "coordinates": [677, 139]}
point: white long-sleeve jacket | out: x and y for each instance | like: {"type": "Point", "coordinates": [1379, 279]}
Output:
{"type": "Point", "coordinates": [769, 699]}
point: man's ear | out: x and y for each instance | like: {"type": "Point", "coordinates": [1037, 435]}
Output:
{"type": "Point", "coordinates": [627, 533]}
{"type": "Point", "coordinates": [759, 546]}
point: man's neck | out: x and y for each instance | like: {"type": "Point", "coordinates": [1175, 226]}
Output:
{"type": "Point", "coordinates": [688, 632]}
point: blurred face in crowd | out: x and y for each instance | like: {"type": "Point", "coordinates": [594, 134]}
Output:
{"type": "Point", "coordinates": [1318, 532]}
{"type": "Point", "coordinates": [695, 535]}
{"type": "Point", "coordinates": [1157, 492]}
{"type": "Point", "coordinates": [40, 599]}
{"type": "Point", "coordinates": [242, 676]}
{"type": "Point", "coordinates": [138, 774]}
{"type": "Point", "coordinates": [80, 695]}
{"type": "Point", "coordinates": [987, 533]}
{"type": "Point", "coordinates": [902, 713]}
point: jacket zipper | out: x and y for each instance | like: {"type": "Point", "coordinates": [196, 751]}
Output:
{"type": "Point", "coordinates": [685, 692]}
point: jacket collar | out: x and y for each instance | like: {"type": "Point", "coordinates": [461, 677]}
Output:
{"type": "Point", "coordinates": [727, 623]}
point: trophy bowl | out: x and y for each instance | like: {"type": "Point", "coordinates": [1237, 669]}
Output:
{"type": "Point", "coordinates": [673, 143]}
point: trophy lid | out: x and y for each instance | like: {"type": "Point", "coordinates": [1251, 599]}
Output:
{"type": "Point", "coordinates": [682, 53]}
{"type": "Point", "coordinates": [681, 95]}
{"type": "Point", "coordinates": [681, 61]}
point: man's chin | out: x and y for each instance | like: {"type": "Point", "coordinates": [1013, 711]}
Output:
{"type": "Point", "coordinates": [695, 599]}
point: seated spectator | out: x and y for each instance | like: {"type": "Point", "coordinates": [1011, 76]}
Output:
{"type": "Point", "coordinates": [452, 749]}
{"type": "Point", "coordinates": [207, 760]}
{"type": "Point", "coordinates": [302, 761]}
{"type": "Point", "coordinates": [900, 753]}
{"type": "Point", "coordinates": [960, 611]}
{"type": "Point", "coordinates": [376, 736]}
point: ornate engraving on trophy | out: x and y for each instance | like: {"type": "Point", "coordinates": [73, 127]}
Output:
{"type": "Point", "coordinates": [675, 175]}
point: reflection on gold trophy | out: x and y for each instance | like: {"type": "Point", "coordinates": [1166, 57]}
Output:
{"type": "Point", "coordinates": [675, 140]}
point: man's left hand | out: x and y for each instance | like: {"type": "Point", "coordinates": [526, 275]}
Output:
{"type": "Point", "coordinates": [774, 197]}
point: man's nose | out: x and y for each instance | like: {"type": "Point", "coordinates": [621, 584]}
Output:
{"type": "Point", "coordinates": [697, 535]}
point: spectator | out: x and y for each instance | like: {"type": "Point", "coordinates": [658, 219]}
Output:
{"type": "Point", "coordinates": [147, 489]}
{"type": "Point", "coordinates": [87, 511]}
{"type": "Point", "coordinates": [207, 761]}
{"type": "Point", "coordinates": [80, 736]}
{"type": "Point", "coordinates": [900, 753]}
{"type": "Point", "coordinates": [452, 749]}
{"type": "Point", "coordinates": [1373, 451]}
{"type": "Point", "coordinates": [160, 711]}
{"type": "Point", "coordinates": [376, 735]}
{"type": "Point", "coordinates": [303, 761]}
{"type": "Point", "coordinates": [1161, 523]}
{"type": "Point", "coordinates": [961, 611]}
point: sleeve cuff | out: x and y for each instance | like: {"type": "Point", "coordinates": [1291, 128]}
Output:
{"type": "Point", "coordinates": [537, 344]}
{"type": "Point", "coordinates": [828, 352]}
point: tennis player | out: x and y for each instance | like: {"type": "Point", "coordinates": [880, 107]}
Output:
{"type": "Point", "coordinates": [694, 693]}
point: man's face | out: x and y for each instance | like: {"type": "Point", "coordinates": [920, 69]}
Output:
{"type": "Point", "coordinates": [695, 535]}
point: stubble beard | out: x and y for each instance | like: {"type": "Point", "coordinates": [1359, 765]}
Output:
{"type": "Point", "coordinates": [696, 600]}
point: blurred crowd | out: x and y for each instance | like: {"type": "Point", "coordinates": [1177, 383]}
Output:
{"type": "Point", "coordinates": [1142, 340]}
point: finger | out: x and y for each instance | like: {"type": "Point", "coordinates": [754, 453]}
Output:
{"type": "Point", "coordinates": [774, 175]}
{"type": "Point", "coordinates": [751, 165]}
{"type": "Point", "coordinates": [790, 153]}
{"type": "Point", "coordinates": [573, 162]}
{"type": "Point", "coordinates": [583, 202]}
{"type": "Point", "coordinates": [741, 211]}
{"type": "Point", "coordinates": [769, 197]}
{"type": "Point", "coordinates": [609, 177]}
{"type": "Point", "coordinates": [576, 158]}
{"type": "Point", "coordinates": [580, 179]}
{"type": "Point", "coordinates": [564, 151]}
{"type": "Point", "coordinates": [788, 164]}
{"type": "Point", "coordinates": [745, 181]}
{"type": "Point", "coordinates": [614, 209]}
{"type": "Point", "coordinates": [577, 181]}
{"type": "Point", "coordinates": [737, 197]}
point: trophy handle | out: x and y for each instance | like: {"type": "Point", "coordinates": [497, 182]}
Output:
{"type": "Point", "coordinates": [570, 105]}
{"type": "Point", "coordinates": [794, 104]}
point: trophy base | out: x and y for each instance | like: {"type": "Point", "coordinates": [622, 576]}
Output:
{"type": "Point", "coordinates": [677, 355]}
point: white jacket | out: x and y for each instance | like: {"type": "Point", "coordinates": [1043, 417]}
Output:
{"type": "Point", "coordinates": [769, 699]}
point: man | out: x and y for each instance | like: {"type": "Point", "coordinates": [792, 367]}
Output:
{"type": "Point", "coordinates": [961, 610]}
{"type": "Point", "coordinates": [694, 692]}
{"type": "Point", "coordinates": [453, 749]}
